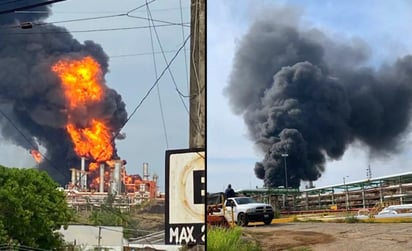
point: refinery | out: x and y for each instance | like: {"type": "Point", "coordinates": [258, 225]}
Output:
{"type": "Point", "coordinates": [92, 187]}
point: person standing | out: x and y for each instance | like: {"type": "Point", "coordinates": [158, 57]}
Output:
{"type": "Point", "coordinates": [229, 192]}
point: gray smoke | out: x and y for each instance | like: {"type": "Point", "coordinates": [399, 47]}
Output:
{"type": "Point", "coordinates": [306, 94]}
{"type": "Point", "coordinates": [31, 97]}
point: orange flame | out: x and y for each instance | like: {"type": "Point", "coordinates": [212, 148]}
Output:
{"type": "Point", "coordinates": [93, 141]}
{"type": "Point", "coordinates": [36, 155]}
{"type": "Point", "coordinates": [80, 79]}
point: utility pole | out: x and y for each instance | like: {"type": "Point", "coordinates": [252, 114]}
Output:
{"type": "Point", "coordinates": [197, 82]}
{"type": "Point", "coordinates": [197, 75]}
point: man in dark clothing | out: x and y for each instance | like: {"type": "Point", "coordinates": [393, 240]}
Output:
{"type": "Point", "coordinates": [229, 192]}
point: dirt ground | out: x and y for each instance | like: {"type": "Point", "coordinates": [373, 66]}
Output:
{"type": "Point", "coordinates": [333, 236]}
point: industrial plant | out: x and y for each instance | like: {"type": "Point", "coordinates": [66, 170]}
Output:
{"type": "Point", "coordinates": [92, 187]}
{"type": "Point", "coordinates": [371, 193]}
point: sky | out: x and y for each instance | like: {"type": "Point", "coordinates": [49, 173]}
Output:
{"type": "Point", "coordinates": [383, 26]}
{"type": "Point", "coordinates": [132, 72]}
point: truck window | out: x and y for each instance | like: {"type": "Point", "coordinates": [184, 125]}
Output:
{"type": "Point", "coordinates": [230, 203]}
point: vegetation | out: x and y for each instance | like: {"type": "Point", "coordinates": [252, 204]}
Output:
{"type": "Point", "coordinates": [351, 219]}
{"type": "Point", "coordinates": [229, 239]}
{"type": "Point", "coordinates": [31, 209]}
{"type": "Point", "coordinates": [136, 221]}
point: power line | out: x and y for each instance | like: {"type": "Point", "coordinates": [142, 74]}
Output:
{"type": "Point", "coordinates": [148, 92]}
{"type": "Point", "coordinates": [96, 18]}
{"type": "Point", "coordinates": [156, 82]}
{"type": "Point", "coordinates": [157, 86]}
{"type": "Point", "coordinates": [160, 21]}
{"type": "Point", "coordinates": [94, 12]}
{"type": "Point", "coordinates": [30, 143]}
{"type": "Point", "coordinates": [183, 37]}
{"type": "Point", "coordinates": [170, 72]}
{"type": "Point", "coordinates": [140, 54]}
{"type": "Point", "coordinates": [84, 31]}
{"type": "Point", "coordinates": [30, 6]}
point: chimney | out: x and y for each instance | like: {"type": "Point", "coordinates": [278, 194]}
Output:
{"type": "Point", "coordinates": [101, 184]}
{"type": "Point", "coordinates": [145, 171]}
{"type": "Point", "coordinates": [83, 177]}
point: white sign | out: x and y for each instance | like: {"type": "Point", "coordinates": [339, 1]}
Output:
{"type": "Point", "coordinates": [185, 196]}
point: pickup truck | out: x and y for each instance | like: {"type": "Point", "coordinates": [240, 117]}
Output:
{"type": "Point", "coordinates": [247, 210]}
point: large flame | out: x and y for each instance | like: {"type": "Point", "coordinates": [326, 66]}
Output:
{"type": "Point", "coordinates": [82, 84]}
{"type": "Point", "coordinates": [93, 141]}
{"type": "Point", "coordinates": [80, 80]}
{"type": "Point", "coordinates": [36, 155]}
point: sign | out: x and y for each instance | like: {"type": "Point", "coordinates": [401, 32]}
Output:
{"type": "Point", "coordinates": [185, 197]}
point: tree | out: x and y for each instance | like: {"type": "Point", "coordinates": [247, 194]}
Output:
{"type": "Point", "coordinates": [31, 208]}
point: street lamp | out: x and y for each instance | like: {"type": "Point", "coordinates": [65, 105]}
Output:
{"type": "Point", "coordinates": [285, 155]}
{"type": "Point", "coordinates": [346, 188]}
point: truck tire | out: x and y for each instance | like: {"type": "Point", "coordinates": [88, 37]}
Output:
{"type": "Point", "coordinates": [242, 220]}
{"type": "Point", "coordinates": [267, 221]}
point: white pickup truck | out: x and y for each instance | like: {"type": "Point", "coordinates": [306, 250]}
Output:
{"type": "Point", "coordinates": [247, 210]}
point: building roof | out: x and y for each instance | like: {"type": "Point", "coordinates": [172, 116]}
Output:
{"type": "Point", "coordinates": [89, 235]}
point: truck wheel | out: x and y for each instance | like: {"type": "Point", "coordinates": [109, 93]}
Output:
{"type": "Point", "coordinates": [242, 220]}
{"type": "Point", "coordinates": [267, 221]}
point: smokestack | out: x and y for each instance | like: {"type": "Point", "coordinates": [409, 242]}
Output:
{"type": "Point", "coordinates": [145, 171]}
{"type": "Point", "coordinates": [101, 184]}
{"type": "Point", "coordinates": [74, 176]}
{"type": "Point", "coordinates": [83, 179]}
{"type": "Point", "coordinates": [116, 182]}
{"type": "Point", "coordinates": [311, 95]}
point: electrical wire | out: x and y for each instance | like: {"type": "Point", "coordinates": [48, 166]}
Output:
{"type": "Point", "coordinates": [157, 86]}
{"type": "Point", "coordinates": [183, 37]}
{"type": "Point", "coordinates": [140, 54]}
{"type": "Point", "coordinates": [156, 82]}
{"type": "Point", "coordinates": [83, 31]}
{"type": "Point", "coordinates": [30, 6]}
{"type": "Point", "coordinates": [197, 126]}
{"type": "Point", "coordinates": [31, 144]}
{"type": "Point", "coordinates": [94, 18]}
{"type": "Point", "coordinates": [160, 21]}
{"type": "Point", "coordinates": [181, 95]}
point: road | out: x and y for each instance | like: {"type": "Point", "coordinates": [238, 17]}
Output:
{"type": "Point", "coordinates": [333, 236]}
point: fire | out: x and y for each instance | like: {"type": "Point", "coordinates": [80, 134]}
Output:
{"type": "Point", "coordinates": [82, 83]}
{"type": "Point", "coordinates": [93, 141]}
{"type": "Point", "coordinates": [80, 80]}
{"type": "Point", "coordinates": [36, 155]}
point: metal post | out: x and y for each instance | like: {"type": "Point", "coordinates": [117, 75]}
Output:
{"type": "Point", "coordinates": [347, 195]}
{"type": "Point", "coordinates": [285, 155]}
{"type": "Point", "coordinates": [99, 238]}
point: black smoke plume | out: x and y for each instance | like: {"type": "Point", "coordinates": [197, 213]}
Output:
{"type": "Point", "coordinates": [310, 95]}
{"type": "Point", "coordinates": [31, 97]}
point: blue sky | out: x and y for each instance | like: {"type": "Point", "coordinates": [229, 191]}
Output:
{"type": "Point", "coordinates": [384, 25]}
{"type": "Point", "coordinates": [132, 73]}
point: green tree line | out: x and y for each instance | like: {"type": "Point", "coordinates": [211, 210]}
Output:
{"type": "Point", "coordinates": [31, 209]}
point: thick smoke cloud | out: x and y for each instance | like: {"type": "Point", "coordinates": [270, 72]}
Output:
{"type": "Point", "coordinates": [31, 96]}
{"type": "Point", "coordinates": [306, 94]}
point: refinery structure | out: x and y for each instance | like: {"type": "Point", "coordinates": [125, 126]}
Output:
{"type": "Point", "coordinates": [92, 187]}
{"type": "Point", "coordinates": [370, 193]}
